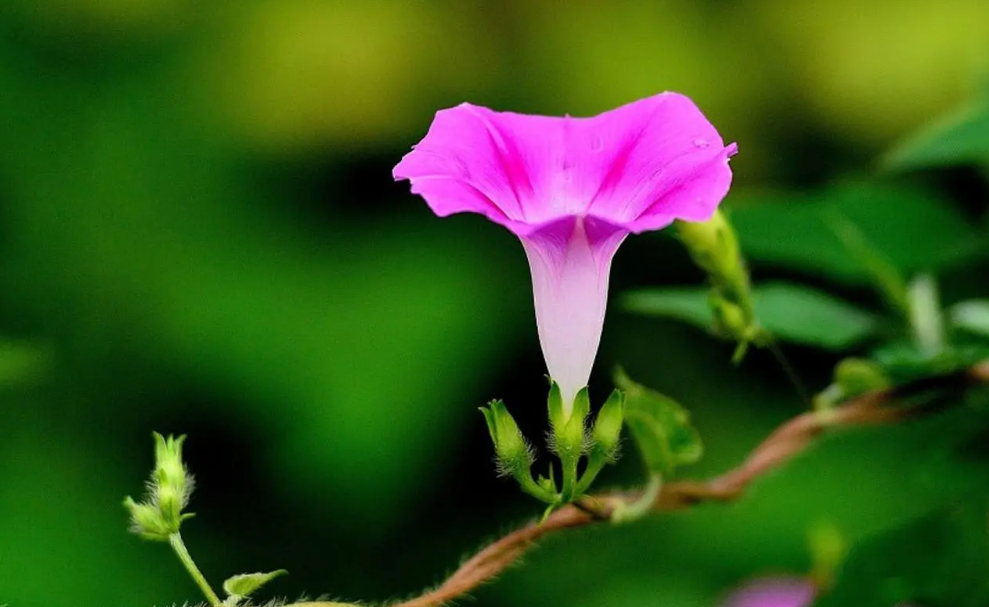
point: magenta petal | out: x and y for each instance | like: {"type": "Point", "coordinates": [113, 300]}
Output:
{"type": "Point", "coordinates": [476, 160]}
{"type": "Point", "coordinates": [652, 161]}
{"type": "Point", "coordinates": [773, 592]}
{"type": "Point", "coordinates": [640, 166]}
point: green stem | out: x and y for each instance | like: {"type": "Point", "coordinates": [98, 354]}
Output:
{"type": "Point", "coordinates": [532, 488]}
{"type": "Point", "coordinates": [178, 546]}
{"type": "Point", "coordinates": [888, 279]}
{"type": "Point", "coordinates": [569, 465]}
{"type": "Point", "coordinates": [626, 512]}
{"type": "Point", "coordinates": [594, 466]}
{"type": "Point", "coordinates": [926, 322]}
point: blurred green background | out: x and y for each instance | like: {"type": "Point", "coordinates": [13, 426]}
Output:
{"type": "Point", "coordinates": [199, 234]}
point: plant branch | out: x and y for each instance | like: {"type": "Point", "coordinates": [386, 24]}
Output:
{"type": "Point", "coordinates": [786, 441]}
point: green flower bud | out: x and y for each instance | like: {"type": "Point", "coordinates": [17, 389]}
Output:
{"type": "Point", "coordinates": [169, 489]}
{"type": "Point", "coordinates": [713, 246]}
{"type": "Point", "coordinates": [606, 434]}
{"type": "Point", "coordinates": [174, 484]}
{"type": "Point", "coordinates": [514, 455]}
{"type": "Point", "coordinates": [857, 376]}
{"type": "Point", "coordinates": [707, 241]}
{"type": "Point", "coordinates": [169, 468]}
{"type": "Point", "coordinates": [729, 319]}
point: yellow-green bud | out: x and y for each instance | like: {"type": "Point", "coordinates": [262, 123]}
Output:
{"type": "Point", "coordinates": [705, 239]}
{"type": "Point", "coordinates": [730, 320]}
{"type": "Point", "coordinates": [713, 246]}
{"type": "Point", "coordinates": [160, 514]}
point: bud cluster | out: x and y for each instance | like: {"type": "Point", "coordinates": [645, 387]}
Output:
{"type": "Point", "coordinates": [159, 515]}
{"type": "Point", "coordinates": [570, 439]}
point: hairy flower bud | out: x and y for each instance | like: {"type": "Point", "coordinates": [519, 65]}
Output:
{"type": "Point", "coordinates": [160, 514]}
{"type": "Point", "coordinates": [514, 455]}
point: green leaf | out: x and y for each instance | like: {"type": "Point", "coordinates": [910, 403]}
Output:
{"type": "Point", "coordinates": [960, 137]}
{"type": "Point", "coordinates": [660, 428]}
{"type": "Point", "coordinates": [904, 361]}
{"type": "Point", "coordinates": [242, 586]}
{"type": "Point", "coordinates": [688, 304]}
{"type": "Point", "coordinates": [971, 315]}
{"type": "Point", "coordinates": [913, 230]}
{"type": "Point", "coordinates": [791, 312]}
{"type": "Point", "coordinates": [939, 559]}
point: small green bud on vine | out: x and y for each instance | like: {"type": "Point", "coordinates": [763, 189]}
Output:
{"type": "Point", "coordinates": [513, 453]}
{"type": "Point", "coordinates": [160, 514]}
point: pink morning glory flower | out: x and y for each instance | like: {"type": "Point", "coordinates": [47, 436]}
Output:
{"type": "Point", "coordinates": [774, 592]}
{"type": "Point", "coordinates": [572, 189]}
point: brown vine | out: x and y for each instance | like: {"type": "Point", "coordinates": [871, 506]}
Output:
{"type": "Point", "coordinates": [785, 442]}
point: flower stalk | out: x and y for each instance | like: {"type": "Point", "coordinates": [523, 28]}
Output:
{"type": "Point", "coordinates": [178, 546]}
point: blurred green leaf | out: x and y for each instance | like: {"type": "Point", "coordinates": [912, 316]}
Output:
{"type": "Point", "coordinates": [912, 229]}
{"type": "Point", "coordinates": [660, 427]}
{"type": "Point", "coordinates": [939, 559]}
{"type": "Point", "coordinates": [689, 304]}
{"type": "Point", "coordinates": [329, 335]}
{"type": "Point", "coordinates": [904, 361]}
{"type": "Point", "coordinates": [960, 137]}
{"type": "Point", "coordinates": [971, 316]}
{"type": "Point", "coordinates": [791, 312]}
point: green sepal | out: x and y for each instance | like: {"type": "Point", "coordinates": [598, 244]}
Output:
{"type": "Point", "coordinates": [660, 428]}
{"type": "Point", "coordinates": [547, 483]}
{"type": "Point", "coordinates": [569, 435]}
{"type": "Point", "coordinates": [147, 521]}
{"type": "Point", "coordinates": [605, 440]}
{"type": "Point", "coordinates": [513, 453]}
{"type": "Point", "coordinates": [240, 587]}
{"type": "Point", "coordinates": [607, 430]}
{"type": "Point", "coordinates": [554, 403]}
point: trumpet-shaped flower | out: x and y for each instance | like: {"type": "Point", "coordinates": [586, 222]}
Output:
{"type": "Point", "coordinates": [572, 189]}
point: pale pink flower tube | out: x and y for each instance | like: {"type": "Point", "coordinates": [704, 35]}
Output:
{"type": "Point", "coordinates": [571, 189]}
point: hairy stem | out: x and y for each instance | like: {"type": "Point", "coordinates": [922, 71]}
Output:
{"type": "Point", "coordinates": [180, 550]}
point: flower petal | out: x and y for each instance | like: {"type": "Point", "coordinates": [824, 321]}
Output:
{"type": "Point", "coordinates": [571, 262]}
{"type": "Point", "coordinates": [647, 163]}
{"type": "Point", "coordinates": [493, 163]}
{"type": "Point", "coordinates": [774, 592]}
{"type": "Point", "coordinates": [640, 166]}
